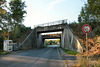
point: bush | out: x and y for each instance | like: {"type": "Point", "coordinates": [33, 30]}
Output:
{"type": "Point", "coordinates": [47, 44]}
{"type": "Point", "coordinates": [97, 31]}
{"type": "Point", "coordinates": [83, 62]}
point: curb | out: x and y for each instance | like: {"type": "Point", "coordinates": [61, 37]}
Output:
{"type": "Point", "coordinates": [70, 61]}
{"type": "Point", "coordinates": [63, 58]}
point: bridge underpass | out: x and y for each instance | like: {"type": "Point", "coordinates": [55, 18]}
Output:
{"type": "Point", "coordinates": [68, 40]}
{"type": "Point", "coordinates": [51, 37]}
{"type": "Point", "coordinates": [41, 38]}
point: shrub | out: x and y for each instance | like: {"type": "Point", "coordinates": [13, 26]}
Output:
{"type": "Point", "coordinates": [97, 30]}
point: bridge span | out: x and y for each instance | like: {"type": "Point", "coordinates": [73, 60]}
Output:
{"type": "Point", "coordinates": [68, 39]}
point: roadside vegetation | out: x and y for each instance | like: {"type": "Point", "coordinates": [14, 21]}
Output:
{"type": "Point", "coordinates": [70, 52]}
{"type": "Point", "coordinates": [90, 14]}
{"type": "Point", "coordinates": [52, 42]}
{"type": "Point", "coordinates": [11, 22]}
{"type": "Point", "coordinates": [90, 62]}
{"type": "Point", "coordinates": [3, 52]}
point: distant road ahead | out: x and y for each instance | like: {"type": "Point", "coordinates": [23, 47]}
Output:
{"type": "Point", "coordinates": [44, 57]}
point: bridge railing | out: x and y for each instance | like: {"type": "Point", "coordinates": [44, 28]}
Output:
{"type": "Point", "coordinates": [51, 23]}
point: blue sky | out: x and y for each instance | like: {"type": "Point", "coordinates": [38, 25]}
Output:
{"type": "Point", "coordinates": [44, 11]}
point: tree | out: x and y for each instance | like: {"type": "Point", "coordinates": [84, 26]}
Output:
{"type": "Point", "coordinates": [58, 41]}
{"type": "Point", "coordinates": [2, 14]}
{"type": "Point", "coordinates": [94, 7]}
{"type": "Point", "coordinates": [17, 13]}
{"type": "Point", "coordinates": [2, 5]}
{"type": "Point", "coordinates": [11, 18]}
{"type": "Point", "coordinates": [87, 15]}
{"type": "Point", "coordinates": [2, 20]}
{"type": "Point", "coordinates": [3, 17]}
{"type": "Point", "coordinates": [79, 19]}
{"type": "Point", "coordinates": [90, 14]}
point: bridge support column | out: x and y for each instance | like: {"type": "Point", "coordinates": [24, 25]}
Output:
{"type": "Point", "coordinates": [44, 42]}
{"type": "Point", "coordinates": [62, 39]}
{"type": "Point", "coordinates": [39, 41]}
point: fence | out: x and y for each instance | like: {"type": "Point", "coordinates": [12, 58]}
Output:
{"type": "Point", "coordinates": [52, 23]}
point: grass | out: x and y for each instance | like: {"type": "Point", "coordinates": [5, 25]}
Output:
{"type": "Point", "coordinates": [70, 52]}
{"type": "Point", "coordinates": [83, 62]}
{"type": "Point", "coordinates": [3, 52]}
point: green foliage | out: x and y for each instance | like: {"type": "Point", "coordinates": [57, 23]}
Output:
{"type": "Point", "coordinates": [17, 14]}
{"type": "Point", "coordinates": [73, 23]}
{"type": "Point", "coordinates": [94, 7]}
{"type": "Point", "coordinates": [47, 43]}
{"type": "Point", "coordinates": [17, 10]}
{"type": "Point", "coordinates": [20, 30]}
{"type": "Point", "coordinates": [57, 41]}
{"type": "Point", "coordinates": [97, 31]}
{"type": "Point", "coordinates": [84, 62]}
{"type": "Point", "coordinates": [3, 52]}
{"type": "Point", "coordinates": [2, 5]}
{"type": "Point", "coordinates": [51, 42]}
{"type": "Point", "coordinates": [70, 52]}
{"type": "Point", "coordinates": [12, 20]}
{"type": "Point", "coordinates": [90, 14]}
{"type": "Point", "coordinates": [85, 15]}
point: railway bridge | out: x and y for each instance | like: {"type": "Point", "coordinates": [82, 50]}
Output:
{"type": "Point", "coordinates": [68, 39]}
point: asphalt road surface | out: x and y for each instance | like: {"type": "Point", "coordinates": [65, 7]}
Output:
{"type": "Point", "coordinates": [44, 57]}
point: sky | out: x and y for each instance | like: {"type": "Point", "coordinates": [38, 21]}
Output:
{"type": "Point", "coordinates": [45, 11]}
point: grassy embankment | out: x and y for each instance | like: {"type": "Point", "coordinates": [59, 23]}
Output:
{"type": "Point", "coordinates": [70, 51]}
{"type": "Point", "coordinates": [93, 45]}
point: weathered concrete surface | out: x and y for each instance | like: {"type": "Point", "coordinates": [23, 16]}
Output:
{"type": "Point", "coordinates": [68, 40]}
{"type": "Point", "coordinates": [30, 41]}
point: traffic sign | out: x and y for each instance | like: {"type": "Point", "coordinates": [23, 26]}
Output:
{"type": "Point", "coordinates": [86, 28]}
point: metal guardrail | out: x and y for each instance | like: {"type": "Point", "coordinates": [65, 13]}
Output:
{"type": "Point", "coordinates": [52, 23]}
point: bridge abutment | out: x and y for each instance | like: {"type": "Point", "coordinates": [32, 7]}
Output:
{"type": "Point", "coordinates": [68, 40]}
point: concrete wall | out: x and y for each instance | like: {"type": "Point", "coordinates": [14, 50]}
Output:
{"type": "Point", "coordinates": [39, 41]}
{"type": "Point", "coordinates": [68, 40]}
{"type": "Point", "coordinates": [62, 39]}
{"type": "Point", "coordinates": [71, 42]}
{"type": "Point", "coordinates": [30, 41]}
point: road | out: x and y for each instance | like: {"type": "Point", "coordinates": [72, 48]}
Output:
{"type": "Point", "coordinates": [44, 57]}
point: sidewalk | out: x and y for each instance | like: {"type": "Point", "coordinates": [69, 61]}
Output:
{"type": "Point", "coordinates": [69, 60]}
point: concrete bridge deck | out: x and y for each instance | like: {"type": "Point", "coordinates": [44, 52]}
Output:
{"type": "Point", "coordinates": [68, 40]}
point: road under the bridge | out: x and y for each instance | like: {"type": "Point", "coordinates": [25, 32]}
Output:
{"type": "Point", "coordinates": [43, 57]}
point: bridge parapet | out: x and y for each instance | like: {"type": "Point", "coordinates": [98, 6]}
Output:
{"type": "Point", "coordinates": [68, 40]}
{"type": "Point", "coordinates": [52, 23]}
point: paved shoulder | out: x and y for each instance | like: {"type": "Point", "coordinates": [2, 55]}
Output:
{"type": "Point", "coordinates": [69, 60]}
